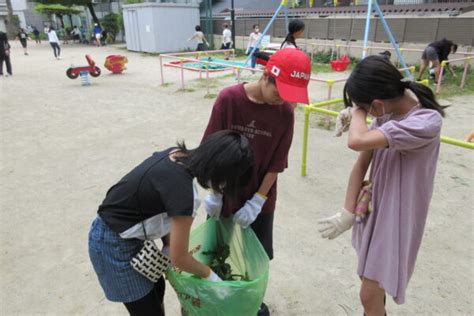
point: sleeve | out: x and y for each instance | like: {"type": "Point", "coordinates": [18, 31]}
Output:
{"type": "Point", "coordinates": [217, 120]}
{"type": "Point", "coordinates": [279, 161]}
{"type": "Point", "coordinates": [415, 132]}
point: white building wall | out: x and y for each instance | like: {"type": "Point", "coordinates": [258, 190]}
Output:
{"type": "Point", "coordinates": [159, 27]}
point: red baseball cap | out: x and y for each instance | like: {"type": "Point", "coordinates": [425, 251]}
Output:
{"type": "Point", "coordinates": [291, 69]}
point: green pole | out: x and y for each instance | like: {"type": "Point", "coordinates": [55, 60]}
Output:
{"type": "Point", "coordinates": [305, 140]}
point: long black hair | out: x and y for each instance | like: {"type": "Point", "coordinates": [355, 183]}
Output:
{"type": "Point", "coordinates": [294, 27]}
{"type": "Point", "coordinates": [376, 78]}
{"type": "Point", "coordinates": [224, 162]}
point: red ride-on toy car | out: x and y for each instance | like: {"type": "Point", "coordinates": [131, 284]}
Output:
{"type": "Point", "coordinates": [74, 72]}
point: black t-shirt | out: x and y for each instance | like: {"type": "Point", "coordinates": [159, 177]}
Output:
{"type": "Point", "coordinates": [443, 48]}
{"type": "Point", "coordinates": [165, 187]}
{"type": "Point", "coordinates": [22, 36]}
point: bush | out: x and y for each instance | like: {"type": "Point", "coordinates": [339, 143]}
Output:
{"type": "Point", "coordinates": [111, 24]}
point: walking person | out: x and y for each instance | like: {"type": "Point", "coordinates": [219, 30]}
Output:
{"type": "Point", "coordinates": [262, 111]}
{"type": "Point", "coordinates": [36, 33]}
{"type": "Point", "coordinates": [435, 53]}
{"type": "Point", "coordinates": [387, 213]}
{"type": "Point", "coordinates": [23, 38]}
{"type": "Point", "coordinates": [159, 199]}
{"type": "Point", "coordinates": [226, 40]}
{"type": "Point", "coordinates": [5, 54]}
{"type": "Point", "coordinates": [97, 31]}
{"type": "Point", "coordinates": [254, 38]}
{"type": "Point", "coordinates": [295, 30]}
{"type": "Point", "coordinates": [199, 37]}
{"type": "Point", "coordinates": [54, 42]}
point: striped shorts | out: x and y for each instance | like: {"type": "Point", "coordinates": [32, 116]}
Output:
{"type": "Point", "coordinates": [110, 255]}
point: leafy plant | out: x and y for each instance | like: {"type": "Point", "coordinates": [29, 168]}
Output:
{"type": "Point", "coordinates": [219, 266]}
{"type": "Point", "coordinates": [111, 24]}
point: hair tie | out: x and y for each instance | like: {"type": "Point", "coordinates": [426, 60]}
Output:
{"type": "Point", "coordinates": [406, 82]}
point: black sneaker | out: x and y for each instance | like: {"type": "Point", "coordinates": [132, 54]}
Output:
{"type": "Point", "coordinates": [263, 310]}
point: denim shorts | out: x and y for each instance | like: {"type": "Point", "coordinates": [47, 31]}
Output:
{"type": "Point", "coordinates": [430, 54]}
{"type": "Point", "coordinates": [110, 255]}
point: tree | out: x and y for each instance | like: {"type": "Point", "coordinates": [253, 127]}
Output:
{"type": "Point", "coordinates": [10, 26]}
{"type": "Point", "coordinates": [111, 24]}
{"type": "Point", "coordinates": [69, 3]}
{"type": "Point", "coordinates": [56, 9]}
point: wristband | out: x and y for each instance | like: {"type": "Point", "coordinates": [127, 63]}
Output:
{"type": "Point", "coordinates": [262, 196]}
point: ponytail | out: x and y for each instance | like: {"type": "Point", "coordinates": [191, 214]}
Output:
{"type": "Point", "coordinates": [289, 39]}
{"type": "Point", "coordinates": [294, 27]}
{"type": "Point", "coordinates": [426, 97]}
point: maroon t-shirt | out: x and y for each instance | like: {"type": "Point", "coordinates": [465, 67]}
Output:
{"type": "Point", "coordinates": [269, 129]}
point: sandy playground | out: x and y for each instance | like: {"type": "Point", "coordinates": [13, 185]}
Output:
{"type": "Point", "coordinates": [64, 145]}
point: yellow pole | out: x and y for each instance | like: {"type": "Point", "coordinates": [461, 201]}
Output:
{"type": "Point", "coordinates": [444, 139]}
{"type": "Point", "coordinates": [305, 140]}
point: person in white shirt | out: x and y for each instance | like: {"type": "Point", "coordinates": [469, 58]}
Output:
{"type": "Point", "coordinates": [54, 42]}
{"type": "Point", "coordinates": [295, 30]}
{"type": "Point", "coordinates": [253, 41]}
{"type": "Point", "coordinates": [226, 40]}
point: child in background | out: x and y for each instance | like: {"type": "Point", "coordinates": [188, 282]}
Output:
{"type": "Point", "coordinates": [253, 41]}
{"type": "Point", "coordinates": [402, 147]}
{"type": "Point", "coordinates": [5, 54]}
{"type": "Point", "coordinates": [262, 112]}
{"type": "Point", "coordinates": [54, 42]}
{"type": "Point", "coordinates": [295, 30]}
{"type": "Point", "coordinates": [23, 38]}
{"type": "Point", "coordinates": [200, 39]}
{"type": "Point", "coordinates": [226, 40]}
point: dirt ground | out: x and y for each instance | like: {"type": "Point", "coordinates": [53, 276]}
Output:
{"type": "Point", "coordinates": [64, 145]}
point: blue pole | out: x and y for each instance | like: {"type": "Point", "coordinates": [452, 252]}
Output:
{"type": "Point", "coordinates": [263, 34]}
{"type": "Point", "coordinates": [286, 19]}
{"type": "Point", "coordinates": [392, 40]}
{"type": "Point", "coordinates": [367, 29]}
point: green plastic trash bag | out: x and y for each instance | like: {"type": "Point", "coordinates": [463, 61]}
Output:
{"type": "Point", "coordinates": [247, 257]}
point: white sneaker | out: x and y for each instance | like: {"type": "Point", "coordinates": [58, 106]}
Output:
{"type": "Point", "coordinates": [58, 58]}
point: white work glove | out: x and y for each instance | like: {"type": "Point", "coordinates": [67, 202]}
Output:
{"type": "Point", "coordinates": [336, 224]}
{"type": "Point", "coordinates": [213, 204]}
{"type": "Point", "coordinates": [249, 212]}
{"type": "Point", "coordinates": [213, 277]}
{"type": "Point", "coordinates": [343, 121]}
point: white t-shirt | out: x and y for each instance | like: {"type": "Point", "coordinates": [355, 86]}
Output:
{"type": "Point", "coordinates": [198, 36]}
{"type": "Point", "coordinates": [52, 37]}
{"type": "Point", "coordinates": [254, 37]}
{"type": "Point", "coordinates": [226, 36]}
{"type": "Point", "coordinates": [287, 45]}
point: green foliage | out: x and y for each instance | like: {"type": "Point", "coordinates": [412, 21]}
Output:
{"type": "Point", "coordinates": [133, 1]}
{"type": "Point", "coordinates": [16, 23]}
{"type": "Point", "coordinates": [111, 25]}
{"type": "Point", "coordinates": [58, 9]}
{"type": "Point", "coordinates": [218, 264]}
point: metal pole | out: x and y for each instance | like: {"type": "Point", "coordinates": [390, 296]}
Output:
{"type": "Point", "coordinates": [305, 140]}
{"type": "Point", "coordinates": [207, 78]}
{"type": "Point", "coordinates": [464, 74]}
{"type": "Point", "coordinates": [440, 77]}
{"type": "Point", "coordinates": [232, 21]}
{"type": "Point", "coordinates": [392, 39]}
{"type": "Point", "coordinates": [161, 70]}
{"type": "Point", "coordinates": [182, 75]}
{"type": "Point", "coordinates": [367, 29]}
